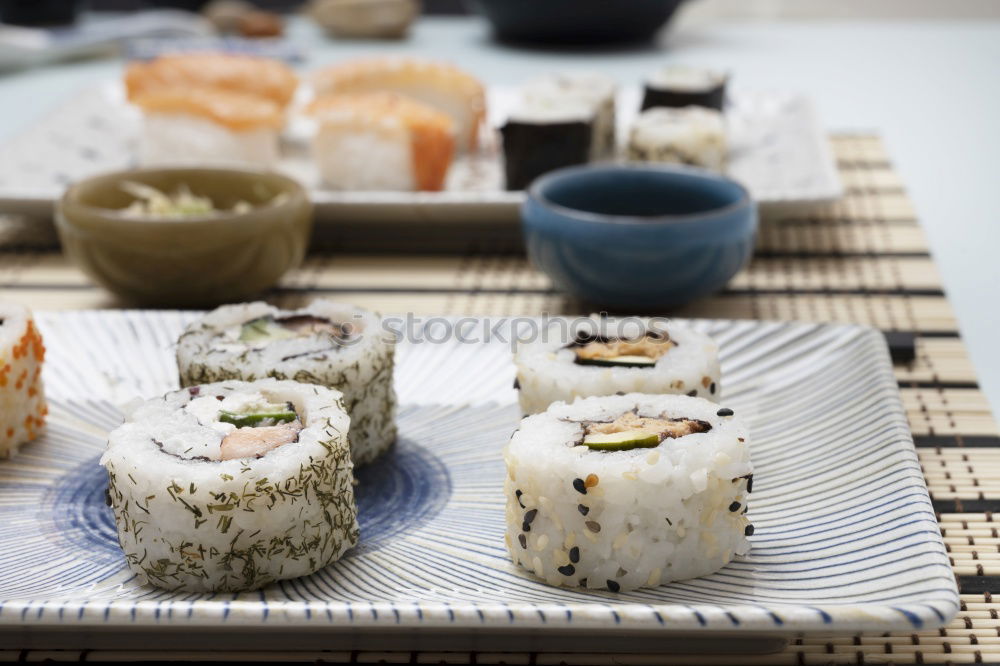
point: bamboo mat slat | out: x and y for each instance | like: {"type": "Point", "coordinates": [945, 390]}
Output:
{"type": "Point", "coordinates": [862, 260]}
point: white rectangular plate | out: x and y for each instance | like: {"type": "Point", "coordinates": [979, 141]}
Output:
{"type": "Point", "coordinates": [846, 537]}
{"type": "Point", "coordinates": [778, 150]}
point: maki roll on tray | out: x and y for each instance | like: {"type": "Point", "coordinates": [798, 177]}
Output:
{"type": "Point", "coordinates": [234, 485]}
{"type": "Point", "coordinates": [538, 139]}
{"type": "Point", "coordinates": [622, 492]}
{"type": "Point", "coordinates": [677, 87]}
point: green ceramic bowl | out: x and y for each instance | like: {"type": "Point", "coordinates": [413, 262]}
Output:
{"type": "Point", "coordinates": [191, 262]}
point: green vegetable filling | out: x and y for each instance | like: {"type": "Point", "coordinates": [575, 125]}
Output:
{"type": "Point", "coordinates": [267, 415]}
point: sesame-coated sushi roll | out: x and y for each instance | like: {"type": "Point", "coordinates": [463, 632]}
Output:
{"type": "Point", "coordinates": [622, 492]}
{"type": "Point", "coordinates": [244, 74]}
{"type": "Point", "coordinates": [208, 126]}
{"type": "Point", "coordinates": [327, 343]}
{"type": "Point", "coordinates": [594, 91]}
{"type": "Point", "coordinates": [616, 356]}
{"type": "Point", "coordinates": [691, 135]}
{"type": "Point", "coordinates": [234, 485]}
{"type": "Point", "coordinates": [539, 138]}
{"type": "Point", "coordinates": [442, 86]}
{"type": "Point", "coordinates": [381, 141]}
{"type": "Point", "coordinates": [678, 86]}
{"type": "Point", "coordinates": [22, 396]}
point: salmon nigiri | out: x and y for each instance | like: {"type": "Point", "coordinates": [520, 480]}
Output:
{"type": "Point", "coordinates": [250, 75]}
{"type": "Point", "coordinates": [439, 85]}
{"type": "Point", "coordinates": [205, 126]}
{"type": "Point", "coordinates": [381, 141]}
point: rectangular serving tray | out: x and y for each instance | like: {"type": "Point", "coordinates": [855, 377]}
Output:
{"type": "Point", "coordinates": [778, 149]}
{"type": "Point", "coordinates": [846, 537]}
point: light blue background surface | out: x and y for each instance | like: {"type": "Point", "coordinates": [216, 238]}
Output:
{"type": "Point", "coordinates": [932, 89]}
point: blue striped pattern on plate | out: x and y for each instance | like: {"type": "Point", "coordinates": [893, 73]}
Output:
{"type": "Point", "coordinates": [846, 537]}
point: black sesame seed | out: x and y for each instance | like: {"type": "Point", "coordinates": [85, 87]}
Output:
{"type": "Point", "coordinates": [517, 494]}
{"type": "Point", "coordinates": [107, 497]}
{"type": "Point", "coordinates": [692, 393]}
{"type": "Point", "coordinates": [583, 582]}
{"type": "Point", "coordinates": [725, 411]}
{"type": "Point", "coordinates": [593, 526]}
{"type": "Point", "coordinates": [613, 586]}
{"type": "Point", "coordinates": [580, 487]}
{"type": "Point", "coordinates": [748, 530]}
{"type": "Point", "coordinates": [530, 516]}
{"type": "Point", "coordinates": [567, 570]}
{"type": "Point", "coordinates": [749, 483]}
{"type": "Point", "coordinates": [583, 509]}
{"type": "Point", "coordinates": [517, 384]}
{"type": "Point", "coordinates": [711, 388]}
{"type": "Point", "coordinates": [745, 509]}
{"type": "Point", "coordinates": [574, 554]}
{"type": "Point", "coordinates": [523, 540]}
{"type": "Point", "coordinates": [735, 506]}
{"type": "Point", "coordinates": [619, 392]}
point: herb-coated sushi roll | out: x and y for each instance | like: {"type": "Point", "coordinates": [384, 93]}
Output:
{"type": "Point", "coordinates": [614, 356]}
{"type": "Point", "coordinates": [327, 343]}
{"type": "Point", "coordinates": [677, 86]}
{"type": "Point", "coordinates": [22, 396]}
{"type": "Point", "coordinates": [622, 492]}
{"type": "Point", "coordinates": [594, 91]}
{"type": "Point", "coordinates": [234, 485]}
{"type": "Point", "coordinates": [538, 139]}
{"type": "Point", "coordinates": [692, 135]}
{"type": "Point", "coordinates": [381, 141]}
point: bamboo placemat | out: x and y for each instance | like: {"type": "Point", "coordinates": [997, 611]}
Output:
{"type": "Point", "coordinates": [863, 260]}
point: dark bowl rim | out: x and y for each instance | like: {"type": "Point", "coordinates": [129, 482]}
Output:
{"type": "Point", "coordinates": [535, 193]}
{"type": "Point", "coordinates": [297, 192]}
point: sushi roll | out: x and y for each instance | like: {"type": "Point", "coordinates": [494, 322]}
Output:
{"type": "Point", "coordinates": [22, 396]}
{"type": "Point", "coordinates": [208, 126]}
{"type": "Point", "coordinates": [234, 485]}
{"type": "Point", "coordinates": [244, 74]}
{"type": "Point", "coordinates": [678, 86]}
{"type": "Point", "coordinates": [692, 135]}
{"type": "Point", "coordinates": [327, 343]}
{"type": "Point", "coordinates": [538, 139]}
{"type": "Point", "coordinates": [594, 91]}
{"type": "Point", "coordinates": [441, 86]}
{"type": "Point", "coordinates": [623, 492]}
{"type": "Point", "coordinates": [381, 141]}
{"type": "Point", "coordinates": [617, 356]}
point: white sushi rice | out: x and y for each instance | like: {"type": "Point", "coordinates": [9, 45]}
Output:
{"type": "Point", "coordinates": [547, 370]}
{"type": "Point", "coordinates": [690, 135]}
{"type": "Point", "coordinates": [569, 91]}
{"type": "Point", "coordinates": [621, 520]}
{"type": "Point", "coordinates": [360, 367]}
{"type": "Point", "coordinates": [688, 79]}
{"type": "Point", "coordinates": [22, 394]}
{"type": "Point", "coordinates": [188, 521]}
{"type": "Point", "coordinates": [377, 157]}
{"type": "Point", "coordinates": [187, 139]}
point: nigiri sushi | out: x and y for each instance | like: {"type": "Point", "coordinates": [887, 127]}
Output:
{"type": "Point", "coordinates": [442, 86]}
{"type": "Point", "coordinates": [208, 126]}
{"type": "Point", "coordinates": [381, 141]}
{"type": "Point", "coordinates": [245, 74]}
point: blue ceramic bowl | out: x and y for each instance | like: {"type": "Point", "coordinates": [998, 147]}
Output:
{"type": "Point", "coordinates": [638, 236]}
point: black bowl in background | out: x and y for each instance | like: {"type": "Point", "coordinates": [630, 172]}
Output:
{"type": "Point", "coordinates": [577, 21]}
